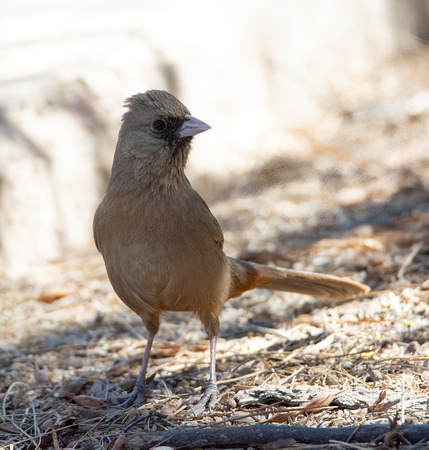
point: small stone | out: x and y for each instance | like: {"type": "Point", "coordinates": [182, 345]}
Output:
{"type": "Point", "coordinates": [228, 400]}
{"type": "Point", "coordinates": [375, 375]}
{"type": "Point", "coordinates": [41, 376]}
{"type": "Point", "coordinates": [98, 389]}
{"type": "Point", "coordinates": [74, 385]}
{"type": "Point", "coordinates": [425, 285]}
{"type": "Point", "coordinates": [413, 347]}
{"type": "Point", "coordinates": [170, 407]}
{"type": "Point", "coordinates": [128, 384]}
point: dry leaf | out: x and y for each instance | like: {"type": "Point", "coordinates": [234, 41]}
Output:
{"type": "Point", "coordinates": [321, 400]}
{"type": "Point", "coordinates": [283, 417]}
{"type": "Point", "coordinates": [85, 400]}
{"type": "Point", "coordinates": [377, 404]}
{"type": "Point", "coordinates": [67, 394]}
{"type": "Point", "coordinates": [118, 443]}
{"type": "Point", "coordinates": [170, 407]}
{"type": "Point", "coordinates": [384, 407]}
{"type": "Point", "coordinates": [392, 437]}
{"type": "Point", "coordinates": [241, 387]}
{"type": "Point", "coordinates": [150, 377]}
{"type": "Point", "coordinates": [54, 293]}
{"type": "Point", "coordinates": [381, 397]}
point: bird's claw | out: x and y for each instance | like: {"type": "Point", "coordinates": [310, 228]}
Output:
{"type": "Point", "coordinates": [136, 398]}
{"type": "Point", "coordinates": [208, 399]}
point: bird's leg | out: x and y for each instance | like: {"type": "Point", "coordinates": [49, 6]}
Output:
{"type": "Point", "coordinates": [138, 396]}
{"type": "Point", "coordinates": [210, 392]}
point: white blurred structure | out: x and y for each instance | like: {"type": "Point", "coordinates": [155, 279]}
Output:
{"type": "Point", "coordinates": [251, 69]}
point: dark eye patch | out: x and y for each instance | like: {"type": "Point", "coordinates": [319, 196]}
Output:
{"type": "Point", "coordinates": [170, 133]}
{"type": "Point", "coordinates": [167, 128]}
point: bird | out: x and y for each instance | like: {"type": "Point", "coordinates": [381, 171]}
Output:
{"type": "Point", "coordinates": [162, 246]}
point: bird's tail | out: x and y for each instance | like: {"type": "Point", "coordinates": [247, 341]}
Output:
{"type": "Point", "coordinates": [248, 275]}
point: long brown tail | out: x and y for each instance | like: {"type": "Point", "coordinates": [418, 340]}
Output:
{"type": "Point", "coordinates": [248, 275]}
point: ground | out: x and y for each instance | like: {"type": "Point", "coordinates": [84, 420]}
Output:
{"type": "Point", "coordinates": [353, 201]}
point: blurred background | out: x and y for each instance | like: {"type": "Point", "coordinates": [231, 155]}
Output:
{"type": "Point", "coordinates": [319, 113]}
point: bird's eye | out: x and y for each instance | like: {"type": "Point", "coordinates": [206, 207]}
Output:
{"type": "Point", "coordinates": [159, 125]}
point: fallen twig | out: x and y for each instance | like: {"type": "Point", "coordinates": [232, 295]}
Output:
{"type": "Point", "coordinates": [263, 434]}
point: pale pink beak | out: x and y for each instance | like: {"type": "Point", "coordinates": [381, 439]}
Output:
{"type": "Point", "coordinates": [192, 126]}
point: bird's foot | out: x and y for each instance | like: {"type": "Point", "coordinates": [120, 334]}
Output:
{"type": "Point", "coordinates": [136, 398]}
{"type": "Point", "coordinates": [208, 399]}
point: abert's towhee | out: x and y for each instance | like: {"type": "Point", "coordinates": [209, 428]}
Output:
{"type": "Point", "coordinates": [161, 244]}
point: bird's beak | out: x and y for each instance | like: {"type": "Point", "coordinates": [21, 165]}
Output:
{"type": "Point", "coordinates": [192, 126]}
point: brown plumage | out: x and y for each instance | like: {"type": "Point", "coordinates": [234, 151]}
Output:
{"type": "Point", "coordinates": [161, 244]}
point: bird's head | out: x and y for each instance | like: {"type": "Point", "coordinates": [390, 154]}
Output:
{"type": "Point", "coordinates": [155, 139]}
{"type": "Point", "coordinates": [157, 124]}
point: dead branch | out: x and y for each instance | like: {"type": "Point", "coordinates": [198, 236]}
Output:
{"type": "Point", "coordinates": [263, 434]}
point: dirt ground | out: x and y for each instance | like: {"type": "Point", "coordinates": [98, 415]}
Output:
{"type": "Point", "coordinates": [354, 201]}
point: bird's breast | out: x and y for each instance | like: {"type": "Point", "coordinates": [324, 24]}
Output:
{"type": "Point", "coordinates": [166, 254]}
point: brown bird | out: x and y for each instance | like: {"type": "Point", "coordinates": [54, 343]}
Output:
{"type": "Point", "coordinates": [161, 244]}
